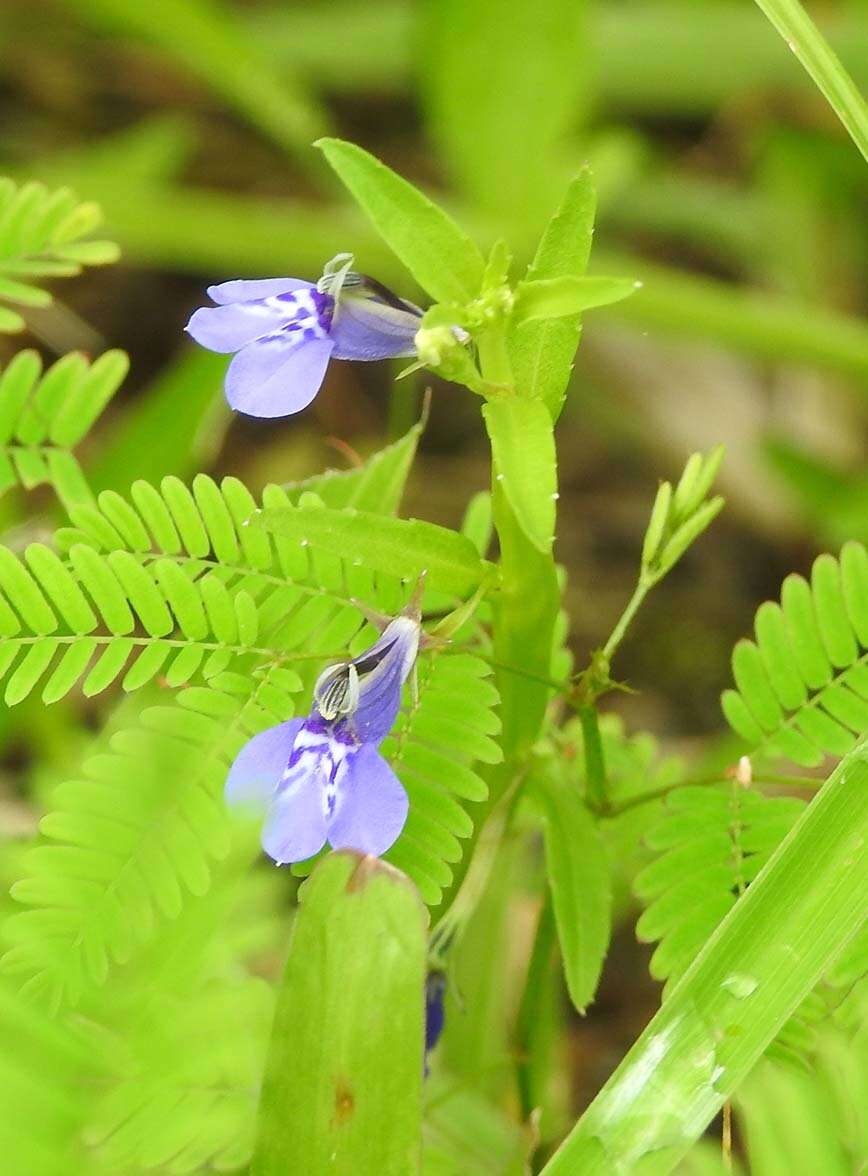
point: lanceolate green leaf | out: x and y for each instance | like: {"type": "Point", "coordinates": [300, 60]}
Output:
{"type": "Point", "coordinates": [578, 876]}
{"type": "Point", "coordinates": [525, 461]}
{"type": "Point", "coordinates": [403, 547]}
{"type": "Point", "coordinates": [442, 259]}
{"type": "Point", "coordinates": [759, 965]}
{"type": "Point", "coordinates": [343, 1085]}
{"type": "Point", "coordinates": [542, 353]}
{"type": "Point", "coordinates": [551, 298]}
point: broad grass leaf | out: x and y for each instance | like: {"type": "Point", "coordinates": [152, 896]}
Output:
{"type": "Point", "coordinates": [343, 1082]}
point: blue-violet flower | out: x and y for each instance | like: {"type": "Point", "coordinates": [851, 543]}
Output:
{"type": "Point", "coordinates": [284, 331]}
{"type": "Point", "coordinates": [435, 1011]}
{"type": "Point", "coordinates": [322, 778]}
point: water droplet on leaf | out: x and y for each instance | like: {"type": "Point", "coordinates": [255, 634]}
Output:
{"type": "Point", "coordinates": [740, 985]}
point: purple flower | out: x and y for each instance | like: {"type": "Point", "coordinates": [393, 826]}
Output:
{"type": "Point", "coordinates": [322, 778]}
{"type": "Point", "coordinates": [284, 332]}
{"type": "Point", "coordinates": [435, 1012]}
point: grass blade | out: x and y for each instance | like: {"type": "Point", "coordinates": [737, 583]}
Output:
{"type": "Point", "coordinates": [763, 960]}
{"type": "Point", "coordinates": [818, 58]}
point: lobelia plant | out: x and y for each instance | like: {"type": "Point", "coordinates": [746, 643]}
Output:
{"type": "Point", "coordinates": [449, 747]}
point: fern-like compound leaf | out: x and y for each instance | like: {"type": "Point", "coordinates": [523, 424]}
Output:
{"type": "Point", "coordinates": [202, 1060]}
{"type": "Point", "coordinates": [439, 738]}
{"type": "Point", "coordinates": [120, 860]}
{"type": "Point", "coordinates": [710, 843]}
{"type": "Point", "coordinates": [802, 684]}
{"type": "Point", "coordinates": [94, 616]}
{"type": "Point", "coordinates": [43, 234]}
{"type": "Point", "coordinates": [45, 414]}
{"type": "Point", "coordinates": [46, 1077]}
{"type": "Point", "coordinates": [139, 829]}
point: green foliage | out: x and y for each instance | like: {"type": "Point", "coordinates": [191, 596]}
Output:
{"type": "Point", "coordinates": [94, 617]}
{"type": "Point", "coordinates": [679, 516]}
{"type": "Point", "coordinates": [44, 1073]}
{"type": "Point", "coordinates": [346, 1048]}
{"type": "Point", "coordinates": [440, 257]}
{"type": "Point", "coordinates": [407, 547]}
{"type": "Point", "coordinates": [41, 236]}
{"type": "Point", "coordinates": [524, 458]}
{"type": "Point", "coordinates": [206, 37]}
{"type": "Point", "coordinates": [737, 992]}
{"type": "Point", "coordinates": [118, 863]}
{"type": "Point", "coordinates": [709, 844]}
{"type": "Point", "coordinates": [186, 558]}
{"type": "Point", "coordinates": [145, 931]}
{"type": "Point", "coordinates": [181, 1080]}
{"type": "Point", "coordinates": [818, 58]}
{"type": "Point", "coordinates": [566, 297]}
{"type": "Point", "coordinates": [44, 415]}
{"type": "Point", "coordinates": [181, 1032]}
{"type": "Point", "coordinates": [465, 1132]}
{"type": "Point", "coordinates": [788, 1121]}
{"type": "Point", "coordinates": [802, 685]}
{"type": "Point", "coordinates": [434, 746]}
{"type": "Point", "coordinates": [577, 870]}
{"type": "Point", "coordinates": [501, 130]}
{"type": "Point", "coordinates": [542, 353]}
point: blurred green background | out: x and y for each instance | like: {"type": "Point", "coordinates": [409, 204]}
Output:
{"type": "Point", "coordinates": [725, 183]}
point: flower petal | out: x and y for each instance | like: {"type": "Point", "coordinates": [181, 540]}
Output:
{"type": "Point", "coordinates": [229, 328]}
{"type": "Point", "coordinates": [383, 670]}
{"type": "Point", "coordinates": [242, 290]}
{"type": "Point", "coordinates": [366, 327]}
{"type": "Point", "coordinates": [277, 375]}
{"type": "Point", "coordinates": [371, 805]}
{"type": "Point", "coordinates": [435, 1012]}
{"type": "Point", "coordinates": [259, 765]}
{"type": "Point", "coordinates": [295, 828]}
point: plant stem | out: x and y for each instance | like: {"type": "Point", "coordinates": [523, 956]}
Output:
{"type": "Point", "coordinates": [563, 687]}
{"type": "Point", "coordinates": [525, 612]}
{"type": "Point", "coordinates": [633, 604]}
{"type": "Point", "coordinates": [595, 764]}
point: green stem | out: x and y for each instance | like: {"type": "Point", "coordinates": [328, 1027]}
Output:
{"type": "Point", "coordinates": [561, 687]}
{"type": "Point", "coordinates": [595, 764]}
{"type": "Point", "coordinates": [633, 605]}
{"type": "Point", "coordinates": [525, 612]}
{"type": "Point", "coordinates": [494, 360]}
